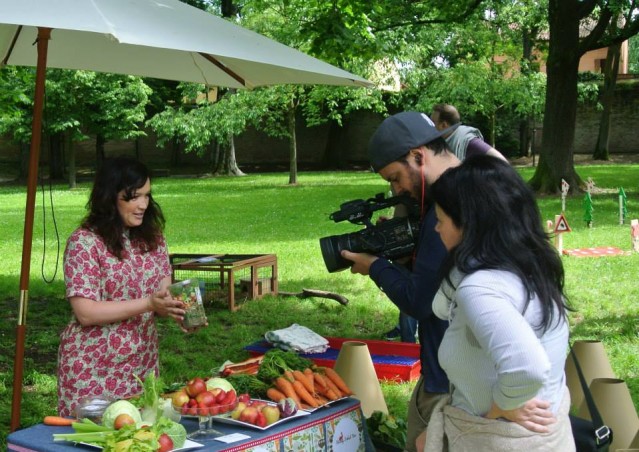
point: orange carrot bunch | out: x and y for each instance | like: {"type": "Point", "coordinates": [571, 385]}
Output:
{"type": "Point", "coordinates": [310, 388]}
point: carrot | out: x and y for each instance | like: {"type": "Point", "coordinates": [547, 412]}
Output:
{"type": "Point", "coordinates": [275, 394]}
{"type": "Point", "coordinates": [289, 376]}
{"type": "Point", "coordinates": [308, 383]}
{"type": "Point", "coordinates": [320, 381]}
{"type": "Point", "coordinates": [321, 399]}
{"type": "Point", "coordinates": [58, 421]}
{"type": "Point", "coordinates": [332, 387]}
{"type": "Point", "coordinates": [335, 378]}
{"type": "Point", "coordinates": [286, 387]}
{"type": "Point", "coordinates": [309, 374]}
{"type": "Point", "coordinates": [304, 394]}
{"type": "Point", "coordinates": [330, 394]}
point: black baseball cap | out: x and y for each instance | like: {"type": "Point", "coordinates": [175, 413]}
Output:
{"type": "Point", "coordinates": [398, 134]}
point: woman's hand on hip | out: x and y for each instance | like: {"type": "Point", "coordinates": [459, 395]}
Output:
{"type": "Point", "coordinates": [535, 415]}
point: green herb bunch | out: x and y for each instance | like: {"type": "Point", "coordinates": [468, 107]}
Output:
{"type": "Point", "coordinates": [277, 361]}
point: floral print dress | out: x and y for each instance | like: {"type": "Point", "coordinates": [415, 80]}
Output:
{"type": "Point", "coordinates": [103, 359]}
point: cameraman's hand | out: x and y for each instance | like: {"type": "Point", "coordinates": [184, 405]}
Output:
{"type": "Point", "coordinates": [361, 261]}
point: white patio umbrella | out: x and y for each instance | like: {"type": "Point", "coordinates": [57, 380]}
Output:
{"type": "Point", "coordinates": [152, 38]}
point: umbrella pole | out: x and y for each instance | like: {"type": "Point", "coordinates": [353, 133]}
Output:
{"type": "Point", "coordinates": [44, 34]}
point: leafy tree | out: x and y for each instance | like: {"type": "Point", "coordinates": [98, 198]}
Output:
{"type": "Point", "coordinates": [566, 47]}
{"type": "Point", "coordinates": [113, 106]}
{"type": "Point", "coordinates": [199, 125]}
{"type": "Point", "coordinates": [476, 65]}
{"type": "Point", "coordinates": [336, 32]}
{"type": "Point", "coordinates": [78, 103]}
{"type": "Point", "coordinates": [16, 107]}
{"type": "Point", "coordinates": [633, 55]}
{"type": "Point", "coordinates": [273, 110]}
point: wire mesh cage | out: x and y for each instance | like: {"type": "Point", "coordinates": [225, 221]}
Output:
{"type": "Point", "coordinates": [228, 278]}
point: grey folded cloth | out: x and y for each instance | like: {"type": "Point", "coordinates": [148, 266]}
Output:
{"type": "Point", "coordinates": [297, 338]}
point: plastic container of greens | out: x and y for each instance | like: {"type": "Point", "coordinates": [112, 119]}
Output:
{"type": "Point", "coordinates": [188, 292]}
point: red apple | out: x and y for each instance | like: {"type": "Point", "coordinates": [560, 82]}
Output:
{"type": "Point", "coordinates": [229, 399]}
{"type": "Point", "coordinates": [166, 443]}
{"type": "Point", "coordinates": [205, 397]}
{"type": "Point", "coordinates": [195, 386]}
{"type": "Point", "coordinates": [244, 398]}
{"type": "Point", "coordinates": [261, 420]}
{"type": "Point", "coordinates": [249, 415]}
{"type": "Point", "coordinates": [202, 409]}
{"type": "Point", "coordinates": [121, 420]}
{"type": "Point", "coordinates": [179, 398]}
{"type": "Point", "coordinates": [221, 394]}
{"type": "Point", "coordinates": [259, 404]}
{"type": "Point", "coordinates": [227, 408]}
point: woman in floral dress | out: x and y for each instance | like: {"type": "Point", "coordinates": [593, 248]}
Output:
{"type": "Point", "coordinates": [116, 271]}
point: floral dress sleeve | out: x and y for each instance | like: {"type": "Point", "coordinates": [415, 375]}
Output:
{"type": "Point", "coordinates": [81, 266]}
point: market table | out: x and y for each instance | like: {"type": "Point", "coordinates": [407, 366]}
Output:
{"type": "Point", "coordinates": [340, 427]}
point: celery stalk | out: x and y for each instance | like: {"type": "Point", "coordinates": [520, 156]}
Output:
{"type": "Point", "coordinates": [92, 437]}
{"type": "Point", "coordinates": [86, 431]}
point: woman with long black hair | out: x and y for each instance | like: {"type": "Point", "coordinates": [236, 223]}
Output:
{"type": "Point", "coordinates": [505, 348]}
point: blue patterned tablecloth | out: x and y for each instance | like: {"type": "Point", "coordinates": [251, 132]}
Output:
{"type": "Point", "coordinates": [340, 427]}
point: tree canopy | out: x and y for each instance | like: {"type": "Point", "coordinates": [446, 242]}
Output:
{"type": "Point", "coordinates": [480, 55]}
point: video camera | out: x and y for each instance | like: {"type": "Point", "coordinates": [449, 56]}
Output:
{"type": "Point", "coordinates": [391, 239]}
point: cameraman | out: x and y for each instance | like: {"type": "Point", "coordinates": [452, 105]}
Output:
{"type": "Point", "coordinates": [410, 153]}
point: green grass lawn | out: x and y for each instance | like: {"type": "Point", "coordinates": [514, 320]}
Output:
{"type": "Point", "coordinates": [261, 214]}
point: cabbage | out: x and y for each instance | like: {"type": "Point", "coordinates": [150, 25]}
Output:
{"type": "Point", "coordinates": [117, 408]}
{"type": "Point", "coordinates": [176, 431]}
{"type": "Point", "coordinates": [217, 382]}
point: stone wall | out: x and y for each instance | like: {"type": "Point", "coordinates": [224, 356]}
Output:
{"type": "Point", "coordinates": [256, 149]}
{"type": "Point", "coordinates": [624, 122]}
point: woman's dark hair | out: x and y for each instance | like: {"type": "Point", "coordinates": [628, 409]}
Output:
{"type": "Point", "coordinates": [113, 176]}
{"type": "Point", "coordinates": [502, 229]}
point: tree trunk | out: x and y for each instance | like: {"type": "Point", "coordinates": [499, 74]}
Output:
{"type": "Point", "coordinates": [556, 154]}
{"type": "Point", "coordinates": [228, 8]}
{"type": "Point", "coordinates": [493, 127]}
{"type": "Point", "coordinates": [70, 153]}
{"type": "Point", "coordinates": [228, 164]}
{"type": "Point", "coordinates": [611, 68]}
{"type": "Point", "coordinates": [99, 149]}
{"type": "Point", "coordinates": [56, 156]}
{"type": "Point", "coordinates": [175, 152]}
{"type": "Point", "coordinates": [23, 168]}
{"type": "Point", "coordinates": [136, 147]}
{"type": "Point", "coordinates": [216, 156]}
{"type": "Point", "coordinates": [525, 132]}
{"type": "Point", "coordinates": [333, 157]}
{"type": "Point", "coordinates": [292, 145]}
